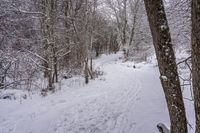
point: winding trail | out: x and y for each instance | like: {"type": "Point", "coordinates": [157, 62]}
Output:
{"type": "Point", "coordinates": [123, 100]}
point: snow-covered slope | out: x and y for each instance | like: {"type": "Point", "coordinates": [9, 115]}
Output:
{"type": "Point", "coordinates": [124, 100]}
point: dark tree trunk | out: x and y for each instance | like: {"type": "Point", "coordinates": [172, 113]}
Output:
{"type": "Point", "coordinates": [136, 8]}
{"type": "Point", "coordinates": [86, 72]}
{"type": "Point", "coordinates": [55, 77]}
{"type": "Point", "coordinates": [167, 64]}
{"type": "Point", "coordinates": [50, 80]}
{"type": "Point", "coordinates": [97, 53]}
{"type": "Point", "coordinates": [125, 22]}
{"type": "Point", "coordinates": [196, 59]}
{"type": "Point", "coordinates": [2, 82]}
{"type": "Point", "coordinates": [91, 64]}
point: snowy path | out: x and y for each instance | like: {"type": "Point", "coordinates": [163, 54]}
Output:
{"type": "Point", "coordinates": [123, 100]}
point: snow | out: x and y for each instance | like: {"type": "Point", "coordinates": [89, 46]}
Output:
{"type": "Point", "coordinates": [164, 78]}
{"type": "Point", "coordinates": [164, 129]}
{"type": "Point", "coordinates": [125, 99]}
{"type": "Point", "coordinates": [163, 27]}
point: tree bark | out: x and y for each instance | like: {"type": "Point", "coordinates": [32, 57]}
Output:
{"type": "Point", "coordinates": [47, 25]}
{"type": "Point", "coordinates": [55, 65]}
{"type": "Point", "coordinates": [167, 64]}
{"type": "Point", "coordinates": [124, 41]}
{"type": "Point", "coordinates": [86, 72]}
{"type": "Point", "coordinates": [196, 59]}
{"type": "Point", "coordinates": [135, 11]}
{"type": "Point", "coordinates": [125, 22]}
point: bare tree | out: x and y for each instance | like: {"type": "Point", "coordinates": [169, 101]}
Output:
{"type": "Point", "coordinates": [48, 8]}
{"type": "Point", "coordinates": [134, 6]}
{"type": "Point", "coordinates": [179, 18]}
{"type": "Point", "coordinates": [167, 64]}
{"type": "Point", "coordinates": [196, 59]}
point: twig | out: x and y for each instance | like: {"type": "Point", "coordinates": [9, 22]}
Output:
{"type": "Point", "coordinates": [185, 60]}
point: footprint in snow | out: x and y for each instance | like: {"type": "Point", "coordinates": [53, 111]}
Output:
{"type": "Point", "coordinates": [62, 101]}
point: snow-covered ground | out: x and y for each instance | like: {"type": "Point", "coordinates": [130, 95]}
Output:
{"type": "Point", "coordinates": [124, 100]}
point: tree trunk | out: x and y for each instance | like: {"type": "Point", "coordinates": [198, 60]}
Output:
{"type": "Point", "coordinates": [196, 59]}
{"type": "Point", "coordinates": [86, 72]}
{"type": "Point", "coordinates": [55, 63]}
{"type": "Point", "coordinates": [47, 25]}
{"type": "Point", "coordinates": [91, 65]}
{"type": "Point", "coordinates": [125, 23]}
{"type": "Point", "coordinates": [135, 11]}
{"type": "Point", "coordinates": [124, 41]}
{"type": "Point", "coordinates": [50, 80]}
{"type": "Point", "coordinates": [167, 64]}
{"type": "Point", "coordinates": [2, 82]}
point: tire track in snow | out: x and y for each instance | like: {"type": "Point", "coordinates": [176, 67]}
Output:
{"type": "Point", "coordinates": [109, 112]}
{"type": "Point", "coordinates": [104, 107]}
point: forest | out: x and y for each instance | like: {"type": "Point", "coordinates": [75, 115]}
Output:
{"type": "Point", "coordinates": [99, 66]}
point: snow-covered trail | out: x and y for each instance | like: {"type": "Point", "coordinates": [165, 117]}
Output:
{"type": "Point", "coordinates": [123, 100]}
